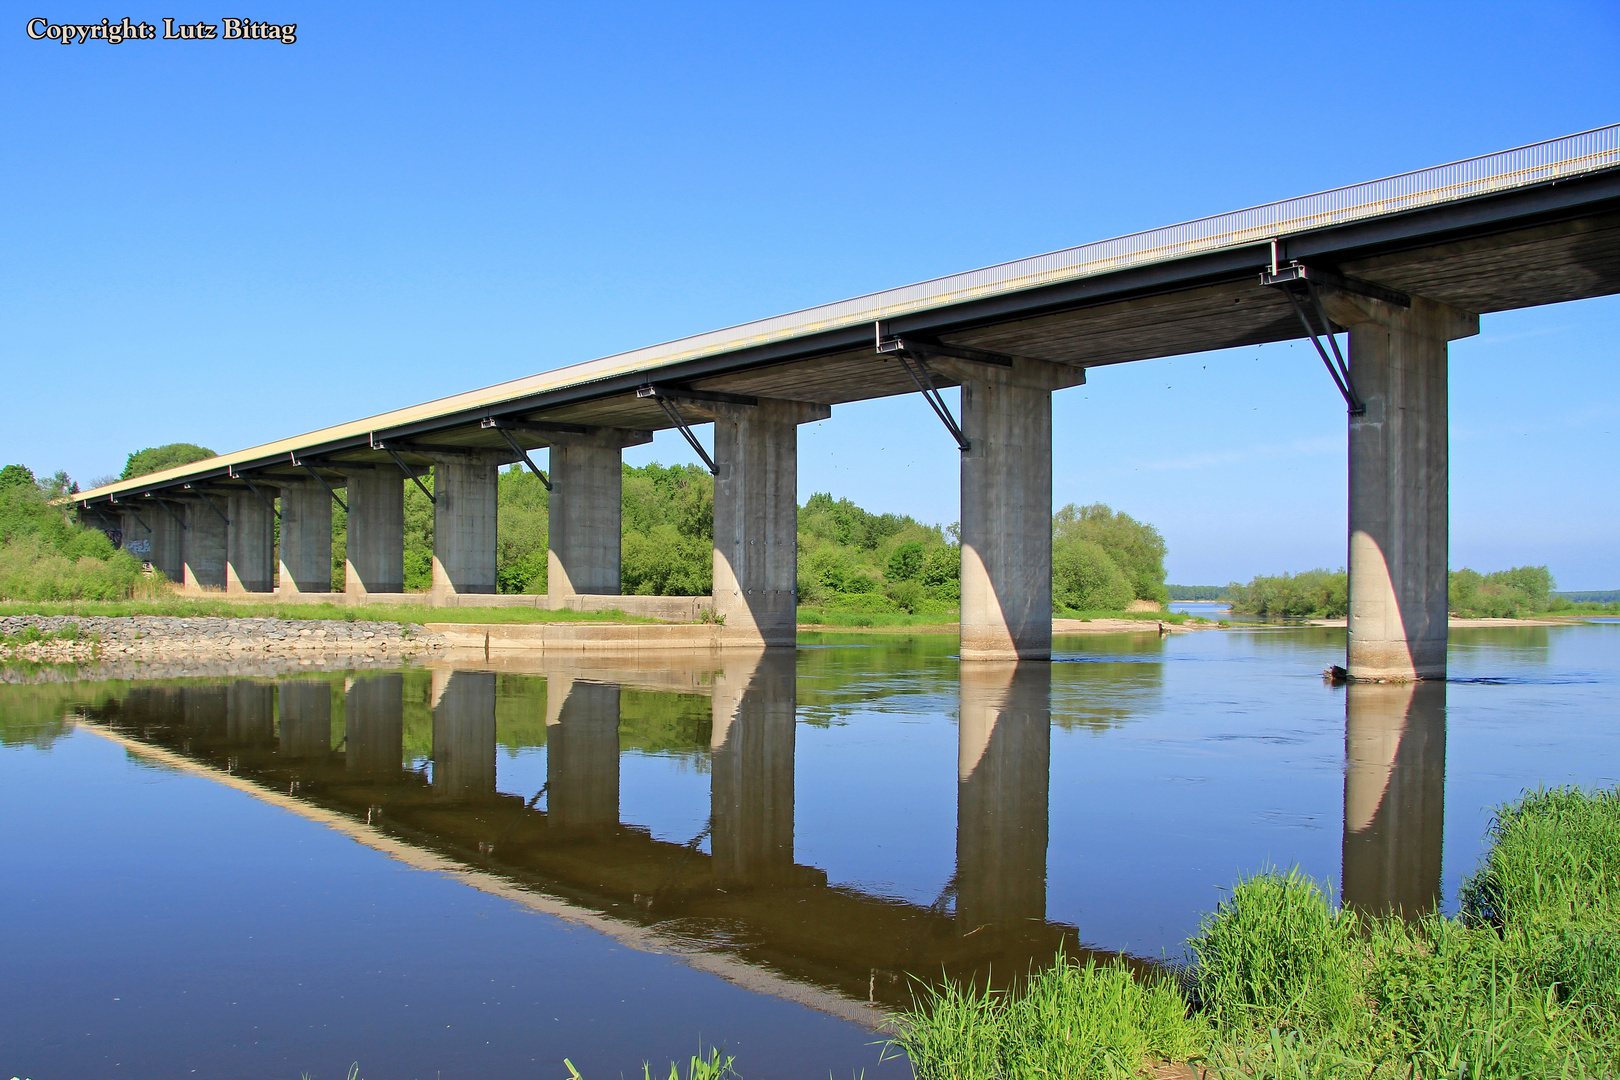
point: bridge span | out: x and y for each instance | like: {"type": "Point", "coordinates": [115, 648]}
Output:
{"type": "Point", "coordinates": [1401, 265]}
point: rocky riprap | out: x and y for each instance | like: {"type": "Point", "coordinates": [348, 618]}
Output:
{"type": "Point", "coordinates": [163, 638]}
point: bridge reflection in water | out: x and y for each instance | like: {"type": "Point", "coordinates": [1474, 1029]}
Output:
{"type": "Point", "coordinates": [356, 746]}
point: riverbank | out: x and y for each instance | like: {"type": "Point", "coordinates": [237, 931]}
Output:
{"type": "Point", "coordinates": [1525, 982]}
{"type": "Point", "coordinates": [165, 641]}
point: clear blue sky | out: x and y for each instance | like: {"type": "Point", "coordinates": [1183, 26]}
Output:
{"type": "Point", "coordinates": [227, 243]}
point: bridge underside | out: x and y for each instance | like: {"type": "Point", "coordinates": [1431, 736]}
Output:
{"type": "Point", "coordinates": [1541, 244]}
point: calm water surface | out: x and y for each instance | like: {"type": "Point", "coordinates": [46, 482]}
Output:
{"type": "Point", "coordinates": [476, 871]}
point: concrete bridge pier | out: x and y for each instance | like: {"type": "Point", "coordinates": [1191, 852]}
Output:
{"type": "Point", "coordinates": [1399, 484]}
{"type": "Point", "coordinates": [374, 558]}
{"type": "Point", "coordinates": [1394, 796]}
{"type": "Point", "coordinates": [751, 778]}
{"type": "Point", "coordinates": [582, 754]}
{"type": "Point", "coordinates": [756, 518]}
{"type": "Point", "coordinates": [304, 708]}
{"type": "Point", "coordinates": [464, 515]}
{"type": "Point", "coordinates": [250, 543]}
{"type": "Point", "coordinates": [166, 534]}
{"type": "Point", "coordinates": [306, 538]}
{"type": "Point", "coordinates": [136, 526]}
{"type": "Point", "coordinates": [1004, 748]}
{"type": "Point", "coordinates": [374, 725]}
{"type": "Point", "coordinates": [202, 546]}
{"type": "Point", "coordinates": [1007, 507]}
{"type": "Point", "coordinates": [463, 735]}
{"type": "Point", "coordinates": [585, 519]}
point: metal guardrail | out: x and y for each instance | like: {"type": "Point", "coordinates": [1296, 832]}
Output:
{"type": "Point", "coordinates": [1556, 159]}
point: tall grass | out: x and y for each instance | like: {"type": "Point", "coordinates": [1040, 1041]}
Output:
{"type": "Point", "coordinates": [1524, 983]}
{"type": "Point", "coordinates": [1072, 1019]}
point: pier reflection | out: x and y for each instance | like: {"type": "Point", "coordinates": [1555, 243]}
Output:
{"type": "Point", "coordinates": [1004, 756]}
{"type": "Point", "coordinates": [751, 772]}
{"type": "Point", "coordinates": [463, 736]}
{"type": "Point", "coordinates": [1394, 796]}
{"type": "Point", "coordinates": [415, 754]}
{"type": "Point", "coordinates": [582, 753]}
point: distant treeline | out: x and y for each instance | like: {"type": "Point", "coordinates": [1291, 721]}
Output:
{"type": "Point", "coordinates": [1606, 596]}
{"type": "Point", "coordinates": [1503, 594]}
{"type": "Point", "coordinates": [1196, 592]}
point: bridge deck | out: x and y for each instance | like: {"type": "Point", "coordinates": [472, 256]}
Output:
{"type": "Point", "coordinates": [1536, 225]}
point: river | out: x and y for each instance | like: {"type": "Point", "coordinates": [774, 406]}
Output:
{"type": "Point", "coordinates": [477, 871]}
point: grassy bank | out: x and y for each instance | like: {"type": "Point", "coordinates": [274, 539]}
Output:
{"type": "Point", "coordinates": [1524, 983]}
{"type": "Point", "coordinates": [202, 607]}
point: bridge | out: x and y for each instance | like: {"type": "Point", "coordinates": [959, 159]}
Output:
{"type": "Point", "coordinates": [1402, 265]}
{"type": "Point", "coordinates": [747, 908]}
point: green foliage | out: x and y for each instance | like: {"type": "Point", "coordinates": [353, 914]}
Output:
{"type": "Point", "coordinates": [1314, 594]}
{"type": "Point", "coordinates": [668, 545]}
{"type": "Point", "coordinates": [856, 562]}
{"type": "Point", "coordinates": [419, 537]}
{"type": "Point", "coordinates": [1079, 1020]}
{"type": "Point", "coordinates": [1135, 547]}
{"type": "Point", "coordinates": [523, 509]}
{"type": "Point", "coordinates": [1505, 594]}
{"type": "Point", "coordinates": [1276, 953]}
{"type": "Point", "coordinates": [157, 458]}
{"type": "Point", "coordinates": [1085, 578]}
{"type": "Point", "coordinates": [1554, 855]}
{"type": "Point", "coordinates": [45, 555]}
{"type": "Point", "coordinates": [16, 476]}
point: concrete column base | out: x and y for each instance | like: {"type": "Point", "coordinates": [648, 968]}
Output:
{"type": "Point", "coordinates": [1007, 507]}
{"type": "Point", "coordinates": [306, 539]}
{"type": "Point", "coordinates": [202, 548]}
{"type": "Point", "coordinates": [250, 543]}
{"type": "Point", "coordinates": [756, 519]}
{"type": "Point", "coordinates": [1399, 481]}
{"type": "Point", "coordinates": [464, 519]}
{"type": "Point", "coordinates": [374, 560]}
{"type": "Point", "coordinates": [586, 510]}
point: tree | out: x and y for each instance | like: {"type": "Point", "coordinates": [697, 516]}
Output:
{"type": "Point", "coordinates": [157, 458]}
{"type": "Point", "coordinates": [1135, 547]}
{"type": "Point", "coordinates": [16, 475]}
{"type": "Point", "coordinates": [1086, 578]}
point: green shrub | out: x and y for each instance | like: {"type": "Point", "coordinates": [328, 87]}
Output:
{"type": "Point", "coordinates": [1504, 594]}
{"type": "Point", "coordinates": [1085, 578]}
{"type": "Point", "coordinates": [1314, 594]}
{"type": "Point", "coordinates": [1135, 547]}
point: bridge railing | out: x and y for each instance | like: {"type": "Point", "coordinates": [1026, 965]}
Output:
{"type": "Point", "coordinates": [1556, 159]}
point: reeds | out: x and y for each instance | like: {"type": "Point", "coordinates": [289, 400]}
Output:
{"type": "Point", "coordinates": [1283, 984]}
